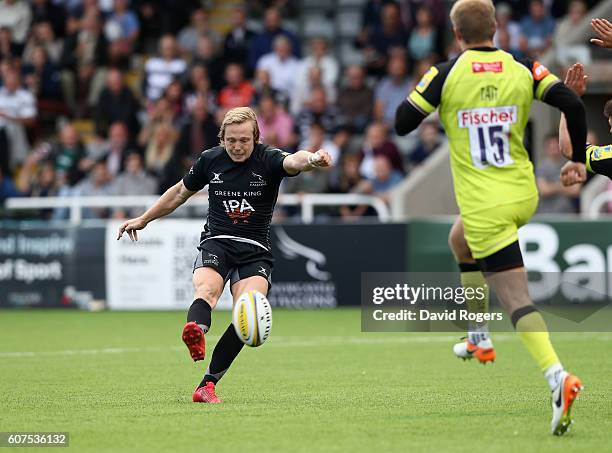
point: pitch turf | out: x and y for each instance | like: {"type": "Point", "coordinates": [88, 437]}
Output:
{"type": "Point", "coordinates": [123, 382]}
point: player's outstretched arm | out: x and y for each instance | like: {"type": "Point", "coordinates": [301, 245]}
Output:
{"type": "Point", "coordinates": [167, 203]}
{"type": "Point", "coordinates": [575, 80]}
{"type": "Point", "coordinates": [306, 161]}
{"type": "Point", "coordinates": [603, 28]}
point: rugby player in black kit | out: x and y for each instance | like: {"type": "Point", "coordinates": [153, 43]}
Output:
{"type": "Point", "coordinates": [243, 177]}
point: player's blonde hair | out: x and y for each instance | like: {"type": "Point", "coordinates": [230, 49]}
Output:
{"type": "Point", "coordinates": [474, 20]}
{"type": "Point", "coordinates": [239, 115]}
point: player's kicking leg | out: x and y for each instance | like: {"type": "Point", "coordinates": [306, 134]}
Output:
{"type": "Point", "coordinates": [229, 345]}
{"type": "Point", "coordinates": [477, 344]}
{"type": "Point", "coordinates": [511, 288]}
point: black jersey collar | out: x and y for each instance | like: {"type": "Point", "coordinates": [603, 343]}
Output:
{"type": "Point", "coordinates": [484, 49]}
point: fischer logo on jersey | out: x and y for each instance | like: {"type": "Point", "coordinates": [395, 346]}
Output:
{"type": "Point", "coordinates": [490, 66]}
{"type": "Point", "coordinates": [487, 116]}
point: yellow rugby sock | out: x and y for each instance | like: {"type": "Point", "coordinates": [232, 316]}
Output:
{"type": "Point", "coordinates": [532, 331]}
{"type": "Point", "coordinates": [478, 301]}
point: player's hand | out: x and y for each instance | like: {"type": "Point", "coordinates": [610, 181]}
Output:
{"type": "Point", "coordinates": [320, 159]}
{"type": "Point", "coordinates": [573, 173]}
{"type": "Point", "coordinates": [603, 28]}
{"type": "Point", "coordinates": [576, 80]}
{"type": "Point", "coordinates": [131, 227]}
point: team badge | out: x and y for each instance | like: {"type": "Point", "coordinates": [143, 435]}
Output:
{"type": "Point", "coordinates": [426, 79]}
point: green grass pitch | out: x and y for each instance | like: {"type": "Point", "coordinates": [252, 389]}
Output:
{"type": "Point", "coordinates": [123, 382]}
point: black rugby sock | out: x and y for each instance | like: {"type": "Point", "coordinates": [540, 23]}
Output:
{"type": "Point", "coordinates": [225, 352]}
{"type": "Point", "coordinates": [200, 312]}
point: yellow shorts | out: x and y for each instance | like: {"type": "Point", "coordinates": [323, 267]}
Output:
{"type": "Point", "coordinates": [489, 231]}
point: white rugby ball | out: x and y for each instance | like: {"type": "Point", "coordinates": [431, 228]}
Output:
{"type": "Point", "coordinates": [252, 318]}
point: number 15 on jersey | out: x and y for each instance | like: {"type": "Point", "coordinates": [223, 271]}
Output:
{"type": "Point", "coordinates": [489, 133]}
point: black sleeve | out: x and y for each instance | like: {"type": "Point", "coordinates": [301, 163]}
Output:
{"type": "Point", "coordinates": [569, 103]}
{"type": "Point", "coordinates": [407, 118]}
{"type": "Point", "coordinates": [273, 159]}
{"type": "Point", "coordinates": [197, 178]}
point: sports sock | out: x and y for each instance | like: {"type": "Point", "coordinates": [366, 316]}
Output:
{"type": "Point", "coordinates": [553, 375]}
{"type": "Point", "coordinates": [225, 352]}
{"type": "Point", "coordinates": [200, 312]}
{"type": "Point", "coordinates": [472, 277]}
{"type": "Point", "coordinates": [532, 331]}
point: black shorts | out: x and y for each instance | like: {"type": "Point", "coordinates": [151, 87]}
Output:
{"type": "Point", "coordinates": [235, 260]}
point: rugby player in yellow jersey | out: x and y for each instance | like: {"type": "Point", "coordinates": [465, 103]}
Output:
{"type": "Point", "coordinates": [484, 97]}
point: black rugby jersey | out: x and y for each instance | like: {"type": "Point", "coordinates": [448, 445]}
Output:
{"type": "Point", "coordinates": [241, 195]}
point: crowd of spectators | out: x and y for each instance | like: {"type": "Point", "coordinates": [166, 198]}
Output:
{"type": "Point", "coordinates": [154, 80]}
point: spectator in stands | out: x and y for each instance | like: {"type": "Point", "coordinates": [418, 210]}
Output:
{"type": "Point", "coordinates": [43, 78]}
{"type": "Point", "coordinates": [160, 149]}
{"type": "Point", "coordinates": [409, 10]}
{"type": "Point", "coordinates": [508, 34]}
{"type": "Point", "coordinates": [162, 70]}
{"type": "Point", "coordinates": [318, 111]}
{"type": "Point", "coordinates": [84, 55]}
{"type": "Point", "coordinates": [281, 65]}
{"type": "Point", "coordinates": [70, 157]}
{"type": "Point", "coordinates": [238, 40]}
{"type": "Point", "coordinates": [133, 181]}
{"type": "Point", "coordinates": [575, 15]}
{"type": "Point", "coordinates": [356, 99]}
{"type": "Point", "coordinates": [238, 92]}
{"type": "Point", "coordinates": [38, 178]}
{"type": "Point", "coordinates": [116, 103]}
{"type": "Point", "coordinates": [537, 30]}
{"type": "Point", "coordinates": [275, 125]}
{"type": "Point", "coordinates": [554, 197]}
{"type": "Point", "coordinates": [391, 90]}
{"type": "Point", "coordinates": [377, 143]}
{"type": "Point", "coordinates": [97, 184]}
{"type": "Point", "coordinates": [429, 140]}
{"type": "Point", "coordinates": [43, 35]}
{"type": "Point", "coordinates": [199, 26]}
{"type": "Point", "coordinates": [303, 88]}
{"type": "Point", "coordinates": [425, 40]}
{"type": "Point", "coordinates": [173, 94]}
{"type": "Point", "coordinates": [16, 16]}
{"type": "Point", "coordinates": [262, 42]}
{"type": "Point", "coordinates": [264, 88]}
{"type": "Point", "coordinates": [46, 11]}
{"type": "Point", "coordinates": [117, 148]}
{"type": "Point", "coordinates": [18, 111]}
{"type": "Point", "coordinates": [385, 179]}
{"type": "Point", "coordinates": [321, 59]}
{"type": "Point", "coordinates": [351, 181]}
{"type": "Point", "coordinates": [160, 113]}
{"type": "Point", "coordinates": [9, 51]}
{"type": "Point", "coordinates": [199, 131]}
{"type": "Point", "coordinates": [390, 34]}
{"type": "Point", "coordinates": [311, 181]}
{"type": "Point", "coordinates": [122, 29]}
{"type": "Point", "coordinates": [7, 188]}
{"type": "Point", "coordinates": [198, 86]}
{"type": "Point", "coordinates": [206, 55]}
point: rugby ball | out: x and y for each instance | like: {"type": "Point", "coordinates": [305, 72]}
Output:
{"type": "Point", "coordinates": [252, 318]}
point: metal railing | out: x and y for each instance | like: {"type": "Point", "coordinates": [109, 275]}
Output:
{"type": "Point", "coordinates": [593, 211]}
{"type": "Point", "coordinates": [307, 202]}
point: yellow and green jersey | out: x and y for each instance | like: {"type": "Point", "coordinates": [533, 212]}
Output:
{"type": "Point", "coordinates": [484, 97]}
{"type": "Point", "coordinates": [599, 159]}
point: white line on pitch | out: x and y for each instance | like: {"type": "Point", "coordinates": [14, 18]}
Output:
{"type": "Point", "coordinates": [297, 342]}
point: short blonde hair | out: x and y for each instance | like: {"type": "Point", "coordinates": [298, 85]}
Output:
{"type": "Point", "coordinates": [474, 20]}
{"type": "Point", "coordinates": [239, 115]}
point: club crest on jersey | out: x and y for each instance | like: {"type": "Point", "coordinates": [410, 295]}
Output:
{"type": "Point", "coordinates": [259, 181]}
{"type": "Point", "coordinates": [216, 178]}
{"type": "Point", "coordinates": [601, 153]}
{"type": "Point", "coordinates": [487, 66]}
{"type": "Point", "coordinates": [426, 79]}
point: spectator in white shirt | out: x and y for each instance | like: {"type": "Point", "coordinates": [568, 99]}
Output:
{"type": "Point", "coordinates": [17, 111]}
{"type": "Point", "coordinates": [281, 65]}
{"type": "Point", "coordinates": [161, 71]}
{"type": "Point", "coordinates": [16, 15]}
